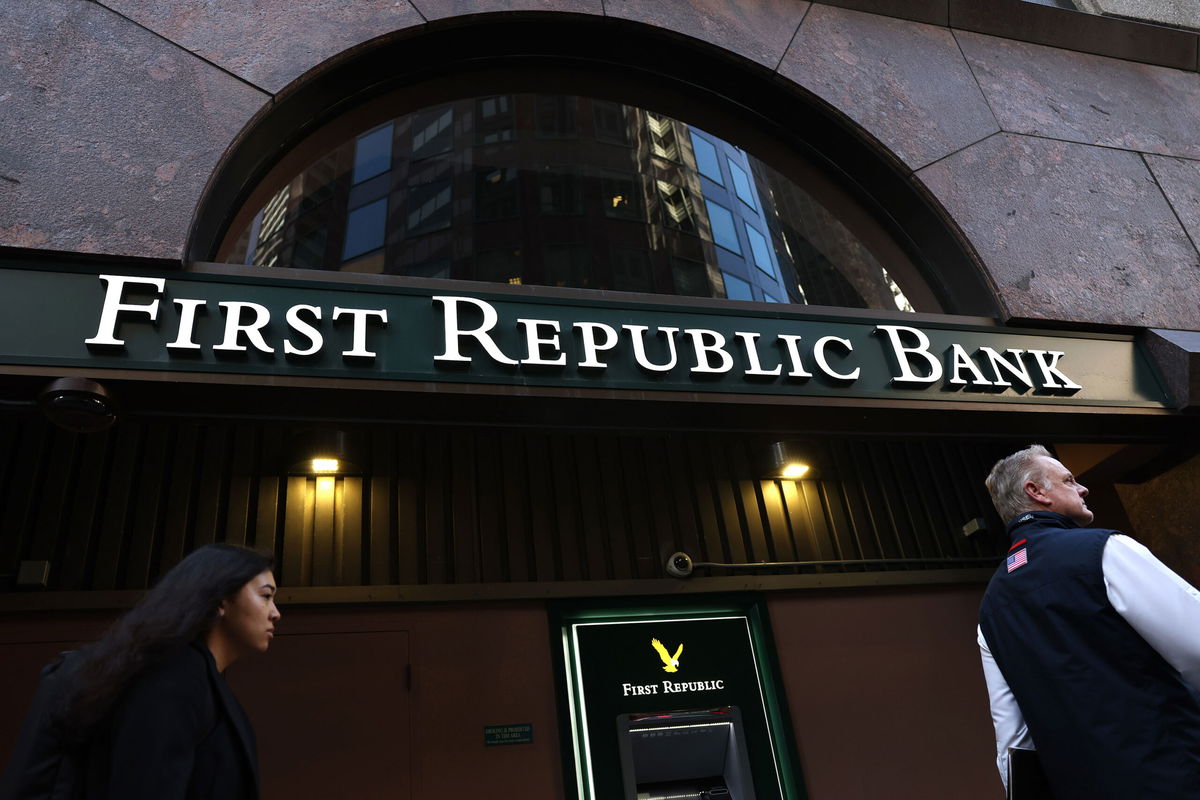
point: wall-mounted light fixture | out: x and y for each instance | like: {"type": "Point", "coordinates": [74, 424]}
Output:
{"type": "Point", "coordinates": [792, 461]}
{"type": "Point", "coordinates": [324, 451]}
{"type": "Point", "coordinates": [78, 404]}
{"type": "Point", "coordinates": [974, 526]}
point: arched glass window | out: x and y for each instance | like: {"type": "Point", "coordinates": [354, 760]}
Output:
{"type": "Point", "coordinates": [562, 190]}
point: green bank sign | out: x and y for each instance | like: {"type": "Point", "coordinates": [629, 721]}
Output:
{"type": "Point", "coordinates": [237, 324]}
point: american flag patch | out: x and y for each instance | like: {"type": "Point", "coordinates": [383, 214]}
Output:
{"type": "Point", "coordinates": [1018, 559]}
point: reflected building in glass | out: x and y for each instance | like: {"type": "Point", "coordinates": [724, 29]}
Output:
{"type": "Point", "coordinates": [563, 190]}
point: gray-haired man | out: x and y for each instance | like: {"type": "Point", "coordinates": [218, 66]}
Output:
{"type": "Point", "coordinates": [1090, 645]}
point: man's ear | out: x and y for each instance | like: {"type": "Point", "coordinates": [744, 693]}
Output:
{"type": "Point", "coordinates": [1035, 492]}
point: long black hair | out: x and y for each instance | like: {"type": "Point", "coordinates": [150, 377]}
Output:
{"type": "Point", "coordinates": [181, 608]}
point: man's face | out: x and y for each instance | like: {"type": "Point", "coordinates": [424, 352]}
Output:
{"type": "Point", "coordinates": [1058, 491]}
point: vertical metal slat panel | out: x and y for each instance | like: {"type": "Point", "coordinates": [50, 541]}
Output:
{"type": "Point", "coordinates": [842, 499]}
{"type": "Point", "coordinates": [638, 500]}
{"type": "Point", "coordinates": [239, 481]}
{"type": "Point", "coordinates": [541, 505]}
{"type": "Point", "coordinates": [906, 500]}
{"type": "Point", "coordinates": [878, 504]}
{"type": "Point", "coordinates": [594, 522]}
{"type": "Point", "coordinates": [385, 474]}
{"type": "Point", "coordinates": [565, 491]}
{"type": "Point", "coordinates": [324, 490]}
{"type": "Point", "coordinates": [180, 512]}
{"type": "Point", "coordinates": [662, 508]}
{"type": "Point", "coordinates": [297, 533]}
{"type": "Point", "coordinates": [932, 508]}
{"type": "Point", "coordinates": [348, 535]}
{"type": "Point", "coordinates": [120, 498]}
{"type": "Point", "coordinates": [516, 530]}
{"type": "Point", "coordinates": [85, 509]}
{"type": "Point", "coordinates": [617, 527]}
{"type": "Point", "coordinates": [731, 524]}
{"type": "Point", "coordinates": [268, 496]}
{"type": "Point", "coordinates": [704, 494]}
{"type": "Point", "coordinates": [682, 489]}
{"type": "Point", "coordinates": [489, 494]}
{"type": "Point", "coordinates": [462, 486]}
{"type": "Point", "coordinates": [858, 497]}
{"type": "Point", "coordinates": [406, 534]}
{"type": "Point", "coordinates": [53, 493]}
{"type": "Point", "coordinates": [749, 501]}
{"type": "Point", "coordinates": [775, 512]}
{"type": "Point", "coordinates": [152, 467]}
{"type": "Point", "coordinates": [211, 498]}
{"type": "Point", "coordinates": [437, 554]}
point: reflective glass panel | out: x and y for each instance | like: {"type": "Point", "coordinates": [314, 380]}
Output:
{"type": "Point", "coordinates": [741, 184]}
{"type": "Point", "coordinates": [706, 159]}
{"type": "Point", "coordinates": [737, 289]}
{"type": "Point", "coordinates": [562, 190]}
{"type": "Point", "coordinates": [373, 154]}
{"type": "Point", "coordinates": [365, 229]}
{"type": "Point", "coordinates": [724, 232]}
{"type": "Point", "coordinates": [759, 250]}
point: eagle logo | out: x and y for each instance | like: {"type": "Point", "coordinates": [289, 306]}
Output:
{"type": "Point", "coordinates": [670, 662]}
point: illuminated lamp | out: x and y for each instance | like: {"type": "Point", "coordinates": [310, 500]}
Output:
{"type": "Point", "coordinates": [324, 451]}
{"type": "Point", "coordinates": [791, 461]}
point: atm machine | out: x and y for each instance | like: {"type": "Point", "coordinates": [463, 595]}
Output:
{"type": "Point", "coordinates": [677, 702]}
{"type": "Point", "coordinates": [697, 754]}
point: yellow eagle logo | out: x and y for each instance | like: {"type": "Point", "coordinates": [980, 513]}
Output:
{"type": "Point", "coordinates": [670, 662]}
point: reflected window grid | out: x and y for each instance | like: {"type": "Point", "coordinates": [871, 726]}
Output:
{"type": "Point", "coordinates": [678, 211]}
{"type": "Point", "coordinates": [760, 251]}
{"type": "Point", "coordinates": [429, 207]}
{"type": "Point", "coordinates": [736, 288]}
{"type": "Point", "coordinates": [707, 162]}
{"type": "Point", "coordinates": [724, 232]}
{"type": "Point", "coordinates": [663, 141]}
{"type": "Point", "coordinates": [741, 185]}
{"type": "Point", "coordinates": [296, 227]}
{"type": "Point", "coordinates": [432, 133]}
{"type": "Point", "coordinates": [372, 154]}
{"type": "Point", "coordinates": [365, 229]}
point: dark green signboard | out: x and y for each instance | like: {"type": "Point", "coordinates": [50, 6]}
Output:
{"type": "Point", "coordinates": [257, 325]}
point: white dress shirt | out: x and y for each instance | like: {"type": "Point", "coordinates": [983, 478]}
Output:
{"type": "Point", "coordinates": [1161, 606]}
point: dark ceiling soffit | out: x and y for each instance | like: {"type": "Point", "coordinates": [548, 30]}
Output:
{"type": "Point", "coordinates": [1176, 355]}
{"type": "Point", "coordinates": [660, 70]}
{"type": "Point", "coordinates": [458, 593]}
{"type": "Point", "coordinates": [1033, 22]}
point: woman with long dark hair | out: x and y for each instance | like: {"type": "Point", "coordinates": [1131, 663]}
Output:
{"type": "Point", "coordinates": [145, 712]}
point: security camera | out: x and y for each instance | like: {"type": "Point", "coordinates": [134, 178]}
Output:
{"type": "Point", "coordinates": [78, 404]}
{"type": "Point", "coordinates": [679, 565]}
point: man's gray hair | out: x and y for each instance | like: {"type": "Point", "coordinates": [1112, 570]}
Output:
{"type": "Point", "coordinates": [1006, 482]}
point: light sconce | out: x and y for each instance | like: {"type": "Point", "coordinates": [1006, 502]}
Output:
{"type": "Point", "coordinates": [324, 451]}
{"type": "Point", "coordinates": [791, 461]}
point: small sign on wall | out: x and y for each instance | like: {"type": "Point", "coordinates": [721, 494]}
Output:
{"type": "Point", "coordinates": [507, 734]}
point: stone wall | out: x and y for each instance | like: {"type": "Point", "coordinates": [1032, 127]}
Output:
{"type": "Point", "coordinates": [1066, 147]}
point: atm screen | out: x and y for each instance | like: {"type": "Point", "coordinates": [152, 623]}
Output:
{"type": "Point", "coordinates": [697, 753]}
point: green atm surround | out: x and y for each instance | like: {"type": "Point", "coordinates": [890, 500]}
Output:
{"type": "Point", "coordinates": [602, 645]}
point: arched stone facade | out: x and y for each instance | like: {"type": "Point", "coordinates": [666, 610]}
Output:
{"type": "Point", "coordinates": [1072, 174]}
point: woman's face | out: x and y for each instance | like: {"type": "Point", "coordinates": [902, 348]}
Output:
{"type": "Point", "coordinates": [248, 618]}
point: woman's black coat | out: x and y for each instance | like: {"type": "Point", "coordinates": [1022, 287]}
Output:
{"type": "Point", "coordinates": [177, 733]}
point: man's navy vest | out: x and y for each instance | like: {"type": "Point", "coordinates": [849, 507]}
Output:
{"type": "Point", "coordinates": [1109, 716]}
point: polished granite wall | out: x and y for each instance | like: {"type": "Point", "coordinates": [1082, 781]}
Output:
{"type": "Point", "coordinates": [1065, 147]}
